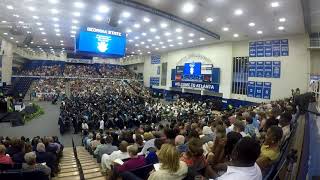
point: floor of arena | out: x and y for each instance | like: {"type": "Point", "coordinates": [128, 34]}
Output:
{"type": "Point", "coordinates": [44, 125]}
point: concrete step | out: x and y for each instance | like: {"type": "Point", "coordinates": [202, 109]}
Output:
{"type": "Point", "coordinates": [65, 170]}
{"type": "Point", "coordinates": [88, 171]}
{"type": "Point", "coordinates": [99, 178]}
{"type": "Point", "coordinates": [90, 167]}
{"type": "Point", "coordinates": [60, 175]}
{"type": "Point", "coordinates": [88, 163]}
{"type": "Point", "coordinates": [68, 166]}
{"type": "Point", "coordinates": [67, 178]}
{"type": "Point", "coordinates": [66, 163]}
{"type": "Point", "coordinates": [93, 175]}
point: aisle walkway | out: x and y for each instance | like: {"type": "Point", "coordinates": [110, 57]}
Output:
{"type": "Point", "coordinates": [45, 125]}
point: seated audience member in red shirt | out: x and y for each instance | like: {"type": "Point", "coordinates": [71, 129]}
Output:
{"type": "Point", "coordinates": [134, 162]}
{"type": "Point", "coordinates": [4, 159]}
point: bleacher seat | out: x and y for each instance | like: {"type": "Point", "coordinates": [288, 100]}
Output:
{"type": "Point", "coordinates": [23, 175]}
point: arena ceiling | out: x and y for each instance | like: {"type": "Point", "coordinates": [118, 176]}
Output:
{"type": "Point", "coordinates": [54, 23]}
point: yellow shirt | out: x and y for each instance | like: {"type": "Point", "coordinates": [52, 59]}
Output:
{"type": "Point", "coordinates": [272, 154]}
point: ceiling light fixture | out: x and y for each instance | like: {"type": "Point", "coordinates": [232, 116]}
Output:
{"type": "Point", "coordinates": [179, 37]}
{"type": "Point", "coordinates": [209, 19]}
{"type": "Point", "coordinates": [74, 21]}
{"type": "Point", "coordinates": [167, 34]}
{"type": "Point", "coordinates": [126, 14]}
{"type": "Point", "coordinates": [55, 19]}
{"type": "Point", "coordinates": [35, 17]}
{"type": "Point", "coordinates": [202, 39]}
{"type": "Point", "coordinates": [56, 25]}
{"type": "Point", "coordinates": [259, 32]}
{"type": "Point", "coordinates": [119, 22]}
{"type": "Point", "coordinates": [191, 34]}
{"type": "Point", "coordinates": [31, 8]}
{"type": "Point", "coordinates": [103, 9]}
{"type": "Point", "coordinates": [143, 34]}
{"type": "Point", "coordinates": [153, 30]}
{"type": "Point", "coordinates": [252, 24]}
{"type": "Point", "coordinates": [128, 30]}
{"type": "Point", "coordinates": [136, 25]}
{"type": "Point", "coordinates": [145, 19]}
{"type": "Point", "coordinates": [57, 30]}
{"type": "Point", "coordinates": [3, 21]}
{"type": "Point", "coordinates": [79, 4]}
{"type": "Point", "coordinates": [73, 32]}
{"type": "Point", "coordinates": [58, 34]}
{"type": "Point", "coordinates": [9, 7]}
{"type": "Point", "coordinates": [238, 12]}
{"type": "Point", "coordinates": [74, 27]}
{"type": "Point", "coordinates": [53, 1]}
{"type": "Point", "coordinates": [54, 11]}
{"type": "Point", "coordinates": [163, 25]}
{"type": "Point", "coordinates": [190, 41]}
{"type": "Point", "coordinates": [98, 18]}
{"type": "Point", "coordinates": [235, 35]}
{"type": "Point", "coordinates": [187, 7]}
{"type": "Point", "coordinates": [5, 34]}
{"type": "Point", "coordinates": [281, 28]}
{"type": "Point", "coordinates": [43, 33]}
{"type": "Point", "coordinates": [274, 4]}
{"type": "Point", "coordinates": [225, 29]}
{"type": "Point", "coordinates": [77, 14]}
{"type": "Point", "coordinates": [39, 23]}
{"type": "Point", "coordinates": [282, 19]}
{"type": "Point", "coordinates": [178, 30]}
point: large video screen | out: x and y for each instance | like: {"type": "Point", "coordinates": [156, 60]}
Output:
{"type": "Point", "coordinates": [101, 42]}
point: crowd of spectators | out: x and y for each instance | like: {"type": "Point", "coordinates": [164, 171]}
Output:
{"type": "Point", "coordinates": [53, 70]}
{"type": "Point", "coordinates": [48, 89]}
{"type": "Point", "coordinates": [36, 154]}
{"type": "Point", "coordinates": [71, 70]}
{"type": "Point", "coordinates": [242, 143]}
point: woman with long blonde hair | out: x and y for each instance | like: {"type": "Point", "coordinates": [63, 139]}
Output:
{"type": "Point", "coordinates": [171, 168]}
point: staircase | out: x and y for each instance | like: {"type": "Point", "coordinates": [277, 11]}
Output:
{"type": "Point", "coordinates": [90, 167]}
{"type": "Point", "coordinates": [68, 166]}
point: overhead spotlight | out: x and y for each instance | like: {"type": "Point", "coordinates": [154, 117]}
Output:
{"type": "Point", "coordinates": [191, 34]}
{"type": "Point", "coordinates": [9, 7]}
{"type": "Point", "coordinates": [190, 41]}
{"type": "Point", "coordinates": [55, 19]}
{"type": "Point", "coordinates": [103, 9]}
{"type": "Point", "coordinates": [57, 30]}
{"type": "Point", "coordinates": [153, 30]}
{"type": "Point", "coordinates": [53, 1]}
{"type": "Point", "coordinates": [54, 11]}
{"type": "Point", "coordinates": [167, 34]}
{"type": "Point", "coordinates": [58, 34]}
{"type": "Point", "coordinates": [136, 25]}
{"type": "Point", "coordinates": [73, 32]}
{"type": "Point", "coordinates": [187, 7]}
{"type": "Point", "coordinates": [98, 18]}
{"type": "Point", "coordinates": [119, 22]}
{"type": "Point", "coordinates": [238, 12]}
{"type": "Point", "coordinates": [3, 21]}
{"type": "Point", "coordinates": [31, 8]}
{"type": "Point", "coordinates": [78, 4]}
{"type": "Point", "coordinates": [252, 24]}
{"type": "Point", "coordinates": [35, 17]}
{"type": "Point", "coordinates": [74, 27]}
{"type": "Point", "coordinates": [235, 35]}
{"type": "Point", "coordinates": [202, 39]}
{"type": "Point", "coordinates": [225, 29]}
{"type": "Point", "coordinates": [145, 19]}
{"type": "Point", "coordinates": [126, 14]}
{"type": "Point", "coordinates": [74, 21]}
{"type": "Point", "coordinates": [259, 32]}
{"type": "Point", "coordinates": [163, 25]}
{"type": "Point", "coordinates": [281, 28]}
{"type": "Point", "coordinates": [77, 14]}
{"type": "Point", "coordinates": [143, 34]}
{"type": "Point", "coordinates": [178, 30]}
{"type": "Point", "coordinates": [209, 19]}
{"type": "Point", "coordinates": [179, 37]}
{"type": "Point", "coordinates": [282, 19]}
{"type": "Point", "coordinates": [274, 4]}
{"type": "Point", "coordinates": [128, 30]}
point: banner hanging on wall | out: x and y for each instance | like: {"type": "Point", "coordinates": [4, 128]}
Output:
{"type": "Point", "coordinates": [196, 85]}
{"type": "Point", "coordinates": [270, 48]}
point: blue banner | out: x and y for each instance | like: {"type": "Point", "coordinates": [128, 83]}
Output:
{"type": "Point", "coordinates": [252, 69]}
{"type": "Point", "coordinates": [269, 48]}
{"type": "Point", "coordinates": [154, 81]}
{"type": "Point", "coordinates": [196, 85]}
{"type": "Point", "coordinates": [260, 69]}
{"type": "Point", "coordinates": [251, 89]}
{"type": "Point", "coordinates": [155, 59]}
{"type": "Point", "coordinates": [276, 69]}
{"type": "Point", "coordinates": [252, 51]}
{"type": "Point", "coordinates": [268, 69]}
{"type": "Point", "coordinates": [284, 50]}
{"type": "Point", "coordinates": [266, 90]}
{"type": "Point", "coordinates": [260, 51]}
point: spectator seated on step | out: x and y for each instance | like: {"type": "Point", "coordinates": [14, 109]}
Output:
{"type": "Point", "coordinates": [32, 165]}
{"type": "Point", "coordinates": [5, 158]}
{"type": "Point", "coordinates": [107, 160]}
{"type": "Point", "coordinates": [134, 162]}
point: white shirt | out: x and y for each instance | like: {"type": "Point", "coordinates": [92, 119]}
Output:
{"type": "Point", "coordinates": [243, 173]}
{"type": "Point", "coordinates": [106, 160]}
{"type": "Point", "coordinates": [101, 124]}
{"type": "Point", "coordinates": [85, 126]}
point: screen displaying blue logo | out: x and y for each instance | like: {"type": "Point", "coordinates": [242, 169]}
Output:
{"type": "Point", "coordinates": [193, 69]}
{"type": "Point", "coordinates": [101, 44]}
